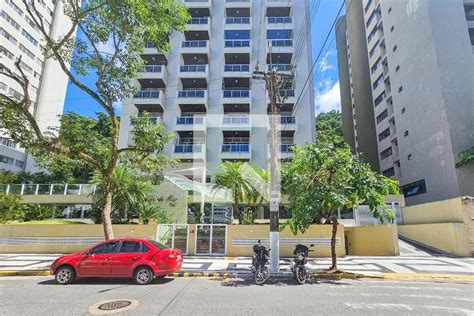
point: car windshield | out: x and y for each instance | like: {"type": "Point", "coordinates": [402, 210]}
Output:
{"type": "Point", "coordinates": [158, 245]}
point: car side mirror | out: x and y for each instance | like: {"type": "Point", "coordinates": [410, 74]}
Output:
{"type": "Point", "coordinates": [259, 241]}
{"type": "Point", "coordinates": [312, 245]}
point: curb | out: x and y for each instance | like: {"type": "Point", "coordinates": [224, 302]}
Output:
{"type": "Point", "coordinates": [24, 273]}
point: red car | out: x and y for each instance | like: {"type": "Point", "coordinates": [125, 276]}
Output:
{"type": "Point", "coordinates": [139, 259]}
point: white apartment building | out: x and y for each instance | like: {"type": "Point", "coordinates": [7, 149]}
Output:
{"type": "Point", "coordinates": [20, 37]}
{"type": "Point", "coordinates": [202, 89]}
{"type": "Point", "coordinates": [413, 59]}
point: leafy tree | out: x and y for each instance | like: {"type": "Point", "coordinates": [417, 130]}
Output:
{"type": "Point", "coordinates": [7, 177]}
{"type": "Point", "coordinates": [329, 127]}
{"type": "Point", "coordinates": [40, 212]}
{"type": "Point", "coordinates": [323, 178]}
{"type": "Point", "coordinates": [125, 25]}
{"type": "Point", "coordinates": [11, 208]}
{"type": "Point", "coordinates": [465, 157]}
{"type": "Point", "coordinates": [150, 210]}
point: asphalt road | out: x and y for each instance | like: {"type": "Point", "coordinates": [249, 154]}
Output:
{"type": "Point", "coordinates": [202, 296]}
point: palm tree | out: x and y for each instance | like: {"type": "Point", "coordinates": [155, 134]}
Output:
{"type": "Point", "coordinates": [147, 210]}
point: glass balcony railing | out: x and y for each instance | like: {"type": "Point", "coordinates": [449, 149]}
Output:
{"type": "Point", "coordinates": [236, 119]}
{"type": "Point", "coordinates": [154, 68]}
{"type": "Point", "coordinates": [279, 19]}
{"type": "Point", "coordinates": [48, 189]}
{"type": "Point", "coordinates": [286, 148]}
{"type": "Point", "coordinates": [287, 93]}
{"type": "Point", "coordinates": [148, 94]}
{"type": "Point", "coordinates": [282, 43]}
{"type": "Point", "coordinates": [204, 20]}
{"type": "Point", "coordinates": [188, 44]}
{"type": "Point", "coordinates": [191, 94]}
{"type": "Point", "coordinates": [236, 67]}
{"type": "Point", "coordinates": [237, 43]}
{"type": "Point", "coordinates": [193, 68]}
{"type": "Point", "coordinates": [470, 17]}
{"type": "Point", "coordinates": [235, 148]}
{"type": "Point", "coordinates": [189, 120]}
{"type": "Point", "coordinates": [188, 148]}
{"type": "Point", "coordinates": [237, 20]}
{"type": "Point", "coordinates": [149, 45]}
{"type": "Point", "coordinates": [280, 67]}
{"type": "Point", "coordinates": [287, 120]}
{"type": "Point", "coordinates": [236, 93]}
{"type": "Point", "coordinates": [153, 119]}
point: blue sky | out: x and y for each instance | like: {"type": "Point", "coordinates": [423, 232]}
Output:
{"type": "Point", "coordinates": [326, 82]}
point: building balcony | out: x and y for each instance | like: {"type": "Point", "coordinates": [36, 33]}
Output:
{"type": "Point", "coordinates": [154, 72]}
{"type": "Point", "coordinates": [278, 3]}
{"type": "Point", "coordinates": [195, 47]}
{"type": "Point", "coordinates": [280, 46]}
{"type": "Point", "coordinates": [236, 123]}
{"type": "Point", "coordinates": [237, 96]}
{"type": "Point", "coordinates": [149, 97]}
{"type": "Point", "coordinates": [236, 70]}
{"type": "Point", "coordinates": [193, 97]}
{"type": "Point", "coordinates": [284, 151]}
{"type": "Point", "coordinates": [194, 152]}
{"type": "Point", "coordinates": [238, 23]}
{"type": "Point", "coordinates": [153, 118]}
{"type": "Point", "coordinates": [193, 71]}
{"type": "Point", "coordinates": [198, 3]}
{"type": "Point", "coordinates": [191, 123]}
{"type": "Point", "coordinates": [279, 22]}
{"type": "Point", "coordinates": [288, 96]}
{"type": "Point", "coordinates": [287, 123]}
{"type": "Point", "coordinates": [200, 24]}
{"type": "Point", "coordinates": [236, 151]}
{"type": "Point", "coordinates": [238, 3]}
{"type": "Point", "coordinates": [283, 68]}
{"type": "Point", "coordinates": [238, 46]}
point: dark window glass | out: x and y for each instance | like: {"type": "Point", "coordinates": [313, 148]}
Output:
{"type": "Point", "coordinates": [384, 134]}
{"type": "Point", "coordinates": [382, 116]}
{"type": "Point", "coordinates": [144, 248]}
{"type": "Point", "coordinates": [157, 244]}
{"type": "Point", "coordinates": [279, 34]}
{"type": "Point", "coordinates": [239, 34]}
{"type": "Point", "coordinates": [414, 188]}
{"type": "Point", "coordinates": [390, 172]}
{"type": "Point", "coordinates": [109, 247]}
{"type": "Point", "coordinates": [386, 153]}
{"type": "Point", "coordinates": [129, 246]}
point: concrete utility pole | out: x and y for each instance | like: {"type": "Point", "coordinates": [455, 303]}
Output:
{"type": "Point", "coordinates": [274, 81]}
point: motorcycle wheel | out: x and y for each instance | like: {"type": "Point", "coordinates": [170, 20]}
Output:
{"type": "Point", "coordinates": [301, 275]}
{"type": "Point", "coordinates": [261, 275]}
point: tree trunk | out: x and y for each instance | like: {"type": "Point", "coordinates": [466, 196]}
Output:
{"type": "Point", "coordinates": [106, 210]}
{"type": "Point", "coordinates": [333, 245]}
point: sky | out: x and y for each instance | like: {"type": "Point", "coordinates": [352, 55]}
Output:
{"type": "Point", "coordinates": [326, 81]}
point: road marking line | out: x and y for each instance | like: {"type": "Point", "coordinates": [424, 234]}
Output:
{"type": "Point", "coordinates": [462, 311]}
{"type": "Point", "coordinates": [384, 306]}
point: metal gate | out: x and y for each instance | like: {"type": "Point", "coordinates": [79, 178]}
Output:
{"type": "Point", "coordinates": [211, 239]}
{"type": "Point", "coordinates": [174, 236]}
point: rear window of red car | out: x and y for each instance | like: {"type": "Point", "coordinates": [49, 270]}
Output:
{"type": "Point", "coordinates": [158, 245]}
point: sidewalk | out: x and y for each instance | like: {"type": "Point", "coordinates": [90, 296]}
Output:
{"type": "Point", "coordinates": [406, 265]}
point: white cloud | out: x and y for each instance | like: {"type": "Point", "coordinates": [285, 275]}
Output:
{"type": "Point", "coordinates": [324, 64]}
{"type": "Point", "coordinates": [327, 97]}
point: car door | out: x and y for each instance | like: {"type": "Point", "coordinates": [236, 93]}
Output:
{"type": "Point", "coordinates": [97, 261]}
{"type": "Point", "coordinates": [129, 253]}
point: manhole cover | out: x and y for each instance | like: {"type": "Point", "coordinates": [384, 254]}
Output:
{"type": "Point", "coordinates": [112, 306]}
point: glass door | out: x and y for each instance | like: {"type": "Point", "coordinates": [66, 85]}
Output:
{"type": "Point", "coordinates": [174, 236]}
{"type": "Point", "coordinates": [211, 239]}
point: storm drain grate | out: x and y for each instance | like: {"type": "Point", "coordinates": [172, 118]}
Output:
{"type": "Point", "coordinates": [110, 306]}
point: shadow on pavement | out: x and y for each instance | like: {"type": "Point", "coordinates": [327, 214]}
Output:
{"type": "Point", "coordinates": [280, 281]}
{"type": "Point", "coordinates": [109, 281]}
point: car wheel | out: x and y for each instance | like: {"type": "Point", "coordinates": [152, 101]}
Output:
{"type": "Point", "coordinates": [143, 276]}
{"type": "Point", "coordinates": [65, 275]}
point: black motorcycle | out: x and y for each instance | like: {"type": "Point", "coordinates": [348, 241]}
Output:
{"type": "Point", "coordinates": [301, 257]}
{"type": "Point", "coordinates": [260, 260]}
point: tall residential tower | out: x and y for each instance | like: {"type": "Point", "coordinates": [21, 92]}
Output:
{"type": "Point", "coordinates": [19, 36]}
{"type": "Point", "coordinates": [202, 89]}
{"type": "Point", "coordinates": [417, 89]}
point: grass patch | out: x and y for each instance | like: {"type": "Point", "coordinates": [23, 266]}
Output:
{"type": "Point", "coordinates": [51, 221]}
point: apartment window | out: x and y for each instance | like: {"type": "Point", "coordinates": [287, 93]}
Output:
{"type": "Point", "coordinates": [237, 34]}
{"type": "Point", "coordinates": [414, 188]}
{"type": "Point", "coordinates": [389, 9]}
{"type": "Point", "coordinates": [394, 48]}
{"type": "Point", "coordinates": [405, 133]}
{"type": "Point", "coordinates": [8, 36]}
{"type": "Point", "coordinates": [3, 86]}
{"type": "Point", "coordinates": [29, 37]}
{"type": "Point", "coordinates": [7, 142]}
{"type": "Point", "coordinates": [390, 172]}
{"type": "Point", "coordinates": [376, 65]}
{"type": "Point", "coordinates": [14, 6]}
{"type": "Point", "coordinates": [26, 51]}
{"type": "Point", "coordinates": [410, 156]}
{"type": "Point", "coordinates": [397, 68]}
{"type": "Point", "coordinates": [19, 163]}
{"type": "Point", "coordinates": [392, 28]}
{"type": "Point", "coordinates": [384, 134]}
{"type": "Point", "coordinates": [386, 153]}
{"type": "Point", "coordinates": [378, 81]}
{"type": "Point", "coordinates": [382, 116]}
{"type": "Point", "coordinates": [372, 16]}
{"type": "Point", "coordinates": [31, 23]}
{"type": "Point", "coordinates": [372, 34]}
{"type": "Point", "coordinates": [403, 110]}
{"type": "Point", "coordinates": [380, 98]}
{"type": "Point", "coordinates": [15, 94]}
{"type": "Point", "coordinates": [279, 34]}
{"type": "Point", "coordinates": [400, 89]}
{"type": "Point", "coordinates": [372, 51]}
{"type": "Point", "coordinates": [6, 52]}
{"type": "Point", "coordinates": [6, 160]}
{"type": "Point", "coordinates": [367, 6]}
{"type": "Point", "coordinates": [10, 20]}
{"type": "Point", "coordinates": [26, 68]}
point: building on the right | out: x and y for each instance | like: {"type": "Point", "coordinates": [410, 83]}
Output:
{"type": "Point", "coordinates": [417, 73]}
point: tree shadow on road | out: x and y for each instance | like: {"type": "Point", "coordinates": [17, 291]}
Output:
{"type": "Point", "coordinates": [279, 281]}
